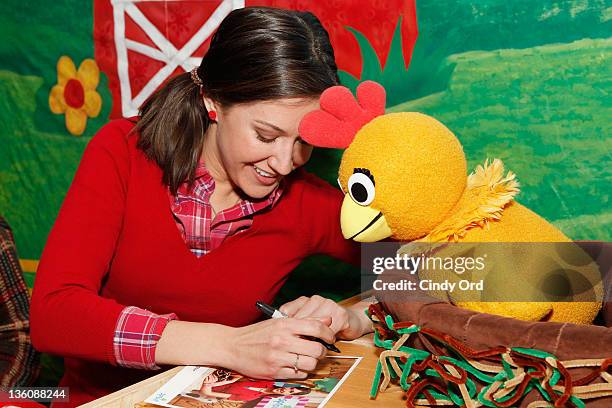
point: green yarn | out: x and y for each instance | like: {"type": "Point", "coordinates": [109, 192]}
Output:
{"type": "Point", "coordinates": [408, 330]}
{"type": "Point", "coordinates": [406, 371]}
{"type": "Point", "coordinates": [507, 369]}
{"type": "Point", "coordinates": [386, 344]}
{"type": "Point", "coordinates": [542, 391]}
{"type": "Point", "coordinates": [418, 354]}
{"type": "Point", "coordinates": [454, 394]}
{"type": "Point", "coordinates": [439, 396]}
{"type": "Point", "coordinates": [534, 353]}
{"type": "Point", "coordinates": [554, 379]}
{"type": "Point", "coordinates": [469, 368]}
{"type": "Point", "coordinates": [376, 382]}
{"type": "Point", "coordinates": [389, 321]}
{"type": "Point", "coordinates": [577, 402]}
{"type": "Point", "coordinates": [391, 371]}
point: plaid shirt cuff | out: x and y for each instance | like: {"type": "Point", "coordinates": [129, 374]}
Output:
{"type": "Point", "coordinates": [136, 336]}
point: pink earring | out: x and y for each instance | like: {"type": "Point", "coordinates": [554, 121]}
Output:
{"type": "Point", "coordinates": [212, 115]}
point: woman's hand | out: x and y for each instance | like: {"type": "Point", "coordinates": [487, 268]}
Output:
{"type": "Point", "coordinates": [269, 349]}
{"type": "Point", "coordinates": [346, 323]}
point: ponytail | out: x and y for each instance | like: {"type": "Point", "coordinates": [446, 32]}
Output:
{"type": "Point", "coordinates": [171, 130]}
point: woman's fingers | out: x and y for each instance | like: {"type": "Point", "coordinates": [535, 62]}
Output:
{"type": "Point", "coordinates": [301, 361]}
{"type": "Point", "coordinates": [285, 372]}
{"type": "Point", "coordinates": [316, 306]}
{"type": "Point", "coordinates": [271, 348]}
{"type": "Point", "coordinates": [296, 365]}
{"type": "Point", "coordinates": [340, 320]}
{"type": "Point", "coordinates": [309, 327]}
{"type": "Point", "coordinates": [288, 332]}
{"type": "Point", "coordinates": [308, 348]}
{"type": "Point", "coordinates": [326, 320]}
{"type": "Point", "coordinates": [291, 308]}
{"type": "Point", "coordinates": [301, 356]}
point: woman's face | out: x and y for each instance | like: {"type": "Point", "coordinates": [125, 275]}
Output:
{"type": "Point", "coordinates": [258, 143]}
{"type": "Point", "coordinates": [286, 390]}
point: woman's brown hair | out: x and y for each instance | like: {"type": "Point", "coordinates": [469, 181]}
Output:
{"type": "Point", "coordinates": [256, 54]}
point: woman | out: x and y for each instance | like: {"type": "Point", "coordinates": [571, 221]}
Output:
{"type": "Point", "coordinates": [179, 220]}
{"type": "Point", "coordinates": [223, 385]}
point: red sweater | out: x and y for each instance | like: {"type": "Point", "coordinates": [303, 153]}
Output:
{"type": "Point", "coordinates": [115, 244]}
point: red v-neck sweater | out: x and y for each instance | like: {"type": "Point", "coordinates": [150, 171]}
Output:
{"type": "Point", "coordinates": [115, 244]}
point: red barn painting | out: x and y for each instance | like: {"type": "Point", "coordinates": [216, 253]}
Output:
{"type": "Point", "coordinates": [140, 44]}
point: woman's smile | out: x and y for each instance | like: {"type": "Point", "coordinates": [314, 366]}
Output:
{"type": "Point", "coordinates": [265, 177]}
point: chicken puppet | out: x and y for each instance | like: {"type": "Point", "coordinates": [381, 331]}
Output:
{"type": "Point", "coordinates": [404, 176]}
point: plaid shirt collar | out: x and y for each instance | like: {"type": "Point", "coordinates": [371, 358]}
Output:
{"type": "Point", "coordinates": [204, 185]}
{"type": "Point", "coordinates": [200, 228]}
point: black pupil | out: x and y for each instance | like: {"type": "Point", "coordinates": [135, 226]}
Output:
{"type": "Point", "coordinates": [359, 192]}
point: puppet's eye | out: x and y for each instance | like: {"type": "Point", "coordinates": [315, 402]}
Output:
{"type": "Point", "coordinates": [361, 187]}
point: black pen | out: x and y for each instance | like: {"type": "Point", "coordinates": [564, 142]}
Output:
{"type": "Point", "coordinates": [275, 314]}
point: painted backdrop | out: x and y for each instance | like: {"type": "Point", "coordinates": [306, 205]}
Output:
{"type": "Point", "coordinates": [527, 81]}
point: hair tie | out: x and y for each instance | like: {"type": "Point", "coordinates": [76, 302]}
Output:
{"type": "Point", "coordinates": [196, 80]}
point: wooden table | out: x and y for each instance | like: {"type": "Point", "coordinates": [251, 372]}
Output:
{"type": "Point", "coordinates": [354, 392]}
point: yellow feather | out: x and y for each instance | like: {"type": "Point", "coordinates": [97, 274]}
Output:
{"type": "Point", "coordinates": [486, 195]}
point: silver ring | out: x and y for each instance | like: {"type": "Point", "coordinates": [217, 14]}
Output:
{"type": "Point", "coordinates": [297, 360]}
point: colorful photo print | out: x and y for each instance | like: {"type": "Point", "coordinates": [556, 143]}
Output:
{"type": "Point", "coordinates": [203, 387]}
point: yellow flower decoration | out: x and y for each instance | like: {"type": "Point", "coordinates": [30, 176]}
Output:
{"type": "Point", "coordinates": [75, 93]}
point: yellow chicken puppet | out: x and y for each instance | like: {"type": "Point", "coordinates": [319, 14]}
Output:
{"type": "Point", "coordinates": [404, 176]}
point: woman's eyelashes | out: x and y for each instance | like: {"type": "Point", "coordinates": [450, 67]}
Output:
{"type": "Point", "coordinates": [270, 139]}
{"type": "Point", "coordinates": [265, 139]}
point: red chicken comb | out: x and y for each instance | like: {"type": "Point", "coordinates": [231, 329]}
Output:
{"type": "Point", "coordinates": [341, 115]}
